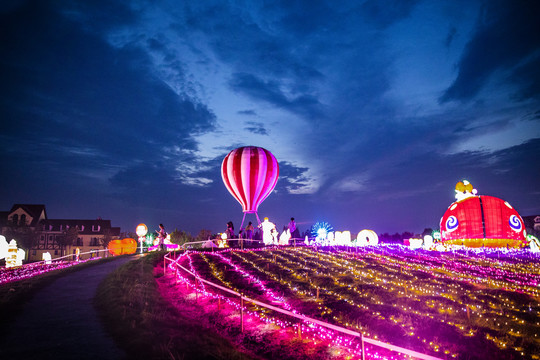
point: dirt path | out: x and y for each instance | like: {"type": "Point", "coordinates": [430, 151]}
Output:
{"type": "Point", "coordinates": [60, 321]}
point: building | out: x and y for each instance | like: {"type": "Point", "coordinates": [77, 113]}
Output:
{"type": "Point", "coordinates": [532, 224]}
{"type": "Point", "coordinates": [49, 235]}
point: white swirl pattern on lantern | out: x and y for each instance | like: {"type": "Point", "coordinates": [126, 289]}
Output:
{"type": "Point", "coordinates": [452, 223]}
{"type": "Point", "coordinates": [515, 223]}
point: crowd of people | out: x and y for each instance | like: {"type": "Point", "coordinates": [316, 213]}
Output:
{"type": "Point", "coordinates": [265, 231]}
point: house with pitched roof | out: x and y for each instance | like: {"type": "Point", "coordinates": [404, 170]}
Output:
{"type": "Point", "coordinates": [50, 234]}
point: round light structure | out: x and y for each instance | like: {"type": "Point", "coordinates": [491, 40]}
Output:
{"type": "Point", "coordinates": [250, 173]}
{"type": "Point", "coordinates": [141, 230]}
{"type": "Point", "coordinates": [367, 237]}
{"type": "Point", "coordinates": [482, 221]}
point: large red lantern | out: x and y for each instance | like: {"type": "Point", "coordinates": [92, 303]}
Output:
{"type": "Point", "coordinates": [483, 221]}
{"type": "Point", "coordinates": [250, 173]}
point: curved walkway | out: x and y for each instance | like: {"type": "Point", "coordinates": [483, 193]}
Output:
{"type": "Point", "coordinates": [60, 321]}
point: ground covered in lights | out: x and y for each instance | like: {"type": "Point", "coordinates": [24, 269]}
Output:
{"type": "Point", "coordinates": [462, 304]}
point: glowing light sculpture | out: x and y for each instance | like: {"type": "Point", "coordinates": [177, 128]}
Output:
{"type": "Point", "coordinates": [141, 230]}
{"type": "Point", "coordinates": [367, 237]}
{"type": "Point", "coordinates": [480, 220]}
{"type": "Point", "coordinates": [250, 173]}
{"type": "Point", "coordinates": [3, 247]}
{"type": "Point", "coordinates": [122, 247]}
{"type": "Point", "coordinates": [320, 232]}
{"type": "Point", "coordinates": [267, 227]}
{"type": "Point", "coordinates": [11, 257]}
{"type": "Point", "coordinates": [285, 237]}
{"type": "Point", "coordinates": [47, 258]}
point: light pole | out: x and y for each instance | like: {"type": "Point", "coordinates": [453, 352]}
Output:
{"type": "Point", "coordinates": [141, 231]}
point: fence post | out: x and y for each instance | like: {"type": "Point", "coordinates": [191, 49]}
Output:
{"type": "Point", "coordinates": [363, 350]}
{"type": "Point", "coordinates": [219, 303]}
{"type": "Point", "coordinates": [242, 312]}
{"type": "Point", "coordinates": [164, 267]}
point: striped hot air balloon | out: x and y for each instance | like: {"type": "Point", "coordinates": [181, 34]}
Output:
{"type": "Point", "coordinates": [250, 173]}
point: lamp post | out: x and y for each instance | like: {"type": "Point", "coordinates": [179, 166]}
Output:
{"type": "Point", "coordinates": [141, 231]}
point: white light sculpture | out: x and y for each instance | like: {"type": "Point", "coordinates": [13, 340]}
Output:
{"type": "Point", "coordinates": [47, 258]}
{"type": "Point", "coordinates": [367, 237]}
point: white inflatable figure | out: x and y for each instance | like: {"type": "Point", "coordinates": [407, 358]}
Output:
{"type": "Point", "coordinates": [285, 237]}
{"type": "Point", "coordinates": [3, 247]}
{"type": "Point", "coordinates": [11, 258]}
{"type": "Point", "coordinates": [20, 257]}
{"type": "Point", "coordinates": [415, 243]}
{"type": "Point", "coordinates": [428, 242]}
{"type": "Point", "coordinates": [267, 227]}
{"type": "Point", "coordinates": [306, 241]}
{"type": "Point", "coordinates": [47, 258]}
{"type": "Point", "coordinates": [464, 190]}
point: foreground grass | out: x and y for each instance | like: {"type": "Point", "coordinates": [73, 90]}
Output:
{"type": "Point", "coordinates": [14, 295]}
{"type": "Point", "coordinates": [146, 326]}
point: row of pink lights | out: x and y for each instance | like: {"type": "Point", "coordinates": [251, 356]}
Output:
{"type": "Point", "coordinates": [31, 270]}
{"type": "Point", "coordinates": [318, 333]}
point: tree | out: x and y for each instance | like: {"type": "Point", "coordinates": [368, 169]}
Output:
{"type": "Point", "coordinates": [180, 237]}
{"type": "Point", "coordinates": [106, 239]}
{"type": "Point", "coordinates": [204, 235]}
{"type": "Point", "coordinates": [427, 231]}
{"type": "Point", "coordinates": [68, 237]}
{"type": "Point", "coordinates": [25, 236]}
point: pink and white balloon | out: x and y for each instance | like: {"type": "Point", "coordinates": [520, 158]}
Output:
{"type": "Point", "coordinates": [250, 173]}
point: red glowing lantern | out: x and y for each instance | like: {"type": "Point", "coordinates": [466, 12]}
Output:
{"type": "Point", "coordinates": [122, 247]}
{"type": "Point", "coordinates": [483, 221]}
{"type": "Point", "coordinates": [250, 174]}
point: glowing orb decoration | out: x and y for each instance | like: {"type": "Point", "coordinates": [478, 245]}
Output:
{"type": "Point", "coordinates": [250, 174]}
{"type": "Point", "coordinates": [141, 230]}
{"type": "Point", "coordinates": [367, 237]}
{"type": "Point", "coordinates": [122, 247]}
{"type": "Point", "coordinates": [482, 221]}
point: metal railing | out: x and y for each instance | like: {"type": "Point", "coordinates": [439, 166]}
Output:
{"type": "Point", "coordinates": [301, 317]}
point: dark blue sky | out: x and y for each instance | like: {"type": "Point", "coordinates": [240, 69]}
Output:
{"type": "Point", "coordinates": [374, 109]}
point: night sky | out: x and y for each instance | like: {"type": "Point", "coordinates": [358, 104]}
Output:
{"type": "Point", "coordinates": [374, 109]}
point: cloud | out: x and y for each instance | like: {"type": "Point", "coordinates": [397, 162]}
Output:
{"type": "Point", "coordinates": [506, 36]}
{"type": "Point", "coordinates": [247, 112]}
{"type": "Point", "coordinates": [271, 91]}
{"type": "Point", "coordinates": [256, 128]}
